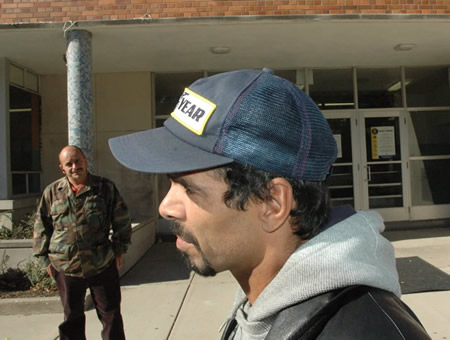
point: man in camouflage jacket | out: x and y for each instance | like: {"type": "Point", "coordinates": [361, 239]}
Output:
{"type": "Point", "coordinates": [73, 240]}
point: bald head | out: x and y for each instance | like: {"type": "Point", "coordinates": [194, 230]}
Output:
{"type": "Point", "coordinates": [73, 164]}
{"type": "Point", "coordinates": [71, 148]}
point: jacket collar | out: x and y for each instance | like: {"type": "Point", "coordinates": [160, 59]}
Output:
{"type": "Point", "coordinates": [65, 186]}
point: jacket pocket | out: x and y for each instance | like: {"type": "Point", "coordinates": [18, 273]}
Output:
{"type": "Point", "coordinates": [95, 213]}
{"type": "Point", "coordinates": [59, 212]}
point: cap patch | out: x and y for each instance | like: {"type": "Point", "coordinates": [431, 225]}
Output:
{"type": "Point", "coordinates": [193, 111]}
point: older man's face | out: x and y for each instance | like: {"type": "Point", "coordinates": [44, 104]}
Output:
{"type": "Point", "coordinates": [74, 165]}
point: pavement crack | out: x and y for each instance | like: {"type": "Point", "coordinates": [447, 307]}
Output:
{"type": "Point", "coordinates": [181, 307]}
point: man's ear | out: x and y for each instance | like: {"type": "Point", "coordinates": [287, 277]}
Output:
{"type": "Point", "coordinates": [278, 207]}
{"type": "Point", "coordinates": [62, 169]}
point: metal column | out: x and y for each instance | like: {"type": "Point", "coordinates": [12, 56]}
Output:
{"type": "Point", "coordinates": [79, 92]}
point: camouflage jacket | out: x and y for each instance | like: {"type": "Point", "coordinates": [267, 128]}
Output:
{"type": "Point", "coordinates": [73, 233]}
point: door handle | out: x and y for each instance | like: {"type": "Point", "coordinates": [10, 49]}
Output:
{"type": "Point", "coordinates": [369, 174]}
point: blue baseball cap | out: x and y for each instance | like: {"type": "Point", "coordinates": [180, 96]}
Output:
{"type": "Point", "coordinates": [247, 116]}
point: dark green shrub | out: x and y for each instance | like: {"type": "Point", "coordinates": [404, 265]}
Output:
{"type": "Point", "coordinates": [14, 279]}
{"type": "Point", "coordinates": [21, 230]}
{"type": "Point", "coordinates": [33, 276]}
{"type": "Point", "coordinates": [38, 277]}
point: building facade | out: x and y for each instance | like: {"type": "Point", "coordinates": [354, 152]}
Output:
{"type": "Point", "coordinates": [379, 70]}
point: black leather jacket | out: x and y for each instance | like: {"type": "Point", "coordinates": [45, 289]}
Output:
{"type": "Point", "coordinates": [356, 312]}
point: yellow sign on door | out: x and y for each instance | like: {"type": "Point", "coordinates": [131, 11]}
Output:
{"type": "Point", "coordinates": [383, 141]}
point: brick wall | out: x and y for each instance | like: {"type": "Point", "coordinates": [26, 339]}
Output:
{"type": "Point", "coordinates": [25, 11]}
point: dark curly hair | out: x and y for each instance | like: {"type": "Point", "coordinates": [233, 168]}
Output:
{"type": "Point", "coordinates": [245, 183]}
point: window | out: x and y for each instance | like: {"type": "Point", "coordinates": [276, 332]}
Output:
{"type": "Point", "coordinates": [25, 122]}
{"type": "Point", "coordinates": [427, 86]}
{"type": "Point", "coordinates": [429, 148]}
{"type": "Point", "coordinates": [379, 87]}
{"type": "Point", "coordinates": [430, 182]}
{"type": "Point", "coordinates": [332, 89]}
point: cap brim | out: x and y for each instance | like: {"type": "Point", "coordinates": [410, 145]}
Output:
{"type": "Point", "coordinates": [159, 151]}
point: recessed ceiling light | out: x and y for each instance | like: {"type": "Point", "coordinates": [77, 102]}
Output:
{"type": "Point", "coordinates": [220, 49]}
{"type": "Point", "coordinates": [404, 47]}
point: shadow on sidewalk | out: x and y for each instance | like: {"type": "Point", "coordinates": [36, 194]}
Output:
{"type": "Point", "coordinates": [416, 233]}
{"type": "Point", "coordinates": [161, 263]}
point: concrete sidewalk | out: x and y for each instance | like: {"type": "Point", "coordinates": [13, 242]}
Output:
{"type": "Point", "coordinates": [163, 300]}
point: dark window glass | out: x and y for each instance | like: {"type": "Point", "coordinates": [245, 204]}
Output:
{"type": "Point", "coordinates": [160, 122]}
{"type": "Point", "coordinates": [427, 86]}
{"type": "Point", "coordinates": [34, 183]}
{"type": "Point", "coordinates": [379, 87]}
{"type": "Point", "coordinates": [332, 89]}
{"type": "Point", "coordinates": [25, 124]}
{"type": "Point", "coordinates": [429, 133]}
{"type": "Point", "coordinates": [19, 184]}
{"type": "Point", "coordinates": [430, 182]}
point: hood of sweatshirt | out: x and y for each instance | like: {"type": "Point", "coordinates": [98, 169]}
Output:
{"type": "Point", "coordinates": [350, 252]}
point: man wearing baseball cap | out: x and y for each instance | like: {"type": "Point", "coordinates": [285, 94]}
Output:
{"type": "Point", "coordinates": [248, 154]}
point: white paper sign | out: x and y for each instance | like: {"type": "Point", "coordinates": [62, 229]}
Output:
{"type": "Point", "coordinates": [339, 145]}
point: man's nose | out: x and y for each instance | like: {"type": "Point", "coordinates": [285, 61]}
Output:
{"type": "Point", "coordinates": [171, 206]}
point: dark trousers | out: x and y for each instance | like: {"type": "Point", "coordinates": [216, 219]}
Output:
{"type": "Point", "coordinates": [105, 293]}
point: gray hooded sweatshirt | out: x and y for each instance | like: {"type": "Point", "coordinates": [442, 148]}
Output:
{"type": "Point", "coordinates": [351, 252]}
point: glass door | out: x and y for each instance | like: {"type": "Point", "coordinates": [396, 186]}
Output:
{"type": "Point", "coordinates": [342, 182]}
{"type": "Point", "coordinates": [384, 164]}
{"type": "Point", "coordinates": [371, 170]}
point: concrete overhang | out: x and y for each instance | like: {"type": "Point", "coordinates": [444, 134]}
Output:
{"type": "Point", "coordinates": [279, 42]}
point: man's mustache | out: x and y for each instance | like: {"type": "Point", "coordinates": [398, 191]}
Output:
{"type": "Point", "coordinates": [179, 231]}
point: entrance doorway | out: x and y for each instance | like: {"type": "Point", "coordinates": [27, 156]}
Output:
{"type": "Point", "coordinates": [371, 170]}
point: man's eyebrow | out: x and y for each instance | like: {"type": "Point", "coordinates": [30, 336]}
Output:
{"type": "Point", "coordinates": [187, 184]}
